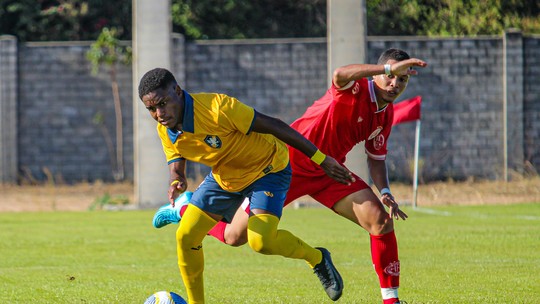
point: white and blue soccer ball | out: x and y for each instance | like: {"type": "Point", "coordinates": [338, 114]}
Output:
{"type": "Point", "coordinates": [165, 297]}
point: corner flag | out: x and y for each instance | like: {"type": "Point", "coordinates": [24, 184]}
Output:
{"type": "Point", "coordinates": [405, 111]}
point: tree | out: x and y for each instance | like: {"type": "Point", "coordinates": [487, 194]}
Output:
{"type": "Point", "coordinates": [451, 17]}
{"type": "Point", "coordinates": [48, 20]}
{"type": "Point", "coordinates": [45, 20]}
{"type": "Point", "coordinates": [227, 19]}
{"type": "Point", "coordinates": [241, 19]}
{"type": "Point", "coordinates": [108, 51]}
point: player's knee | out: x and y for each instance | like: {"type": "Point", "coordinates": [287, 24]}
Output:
{"type": "Point", "coordinates": [259, 243]}
{"type": "Point", "coordinates": [186, 240]}
{"type": "Point", "coordinates": [235, 240]}
{"type": "Point", "coordinates": [381, 226]}
{"type": "Point", "coordinates": [181, 239]}
{"type": "Point", "coordinates": [262, 229]}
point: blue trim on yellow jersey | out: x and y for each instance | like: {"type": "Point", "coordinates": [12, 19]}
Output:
{"type": "Point", "coordinates": [175, 160]}
{"type": "Point", "coordinates": [251, 126]}
{"type": "Point", "coordinates": [188, 123]}
{"type": "Point", "coordinates": [173, 135]}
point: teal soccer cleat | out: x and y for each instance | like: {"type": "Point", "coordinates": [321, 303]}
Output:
{"type": "Point", "coordinates": [167, 214]}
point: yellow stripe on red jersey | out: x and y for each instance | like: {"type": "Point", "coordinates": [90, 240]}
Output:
{"type": "Point", "coordinates": [216, 132]}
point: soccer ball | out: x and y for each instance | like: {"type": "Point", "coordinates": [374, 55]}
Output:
{"type": "Point", "coordinates": [165, 297]}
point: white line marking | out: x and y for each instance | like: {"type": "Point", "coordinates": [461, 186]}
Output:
{"type": "Point", "coordinates": [528, 217]}
{"type": "Point", "coordinates": [431, 211]}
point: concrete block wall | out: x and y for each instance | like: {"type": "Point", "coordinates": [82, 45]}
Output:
{"type": "Point", "coordinates": [531, 102]}
{"type": "Point", "coordinates": [462, 110]}
{"type": "Point", "coordinates": [277, 77]}
{"type": "Point", "coordinates": [58, 102]}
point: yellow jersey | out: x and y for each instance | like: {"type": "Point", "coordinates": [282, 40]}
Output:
{"type": "Point", "coordinates": [216, 131]}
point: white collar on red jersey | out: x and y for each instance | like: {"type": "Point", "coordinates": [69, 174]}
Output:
{"type": "Point", "coordinates": [373, 97]}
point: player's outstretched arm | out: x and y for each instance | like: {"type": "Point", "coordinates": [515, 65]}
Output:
{"type": "Point", "coordinates": [345, 74]}
{"type": "Point", "coordinates": [276, 127]}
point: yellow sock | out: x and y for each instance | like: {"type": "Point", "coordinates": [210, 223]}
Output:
{"type": "Point", "coordinates": [265, 238]}
{"type": "Point", "coordinates": [192, 230]}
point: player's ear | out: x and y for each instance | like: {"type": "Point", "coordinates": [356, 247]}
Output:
{"type": "Point", "coordinates": [178, 90]}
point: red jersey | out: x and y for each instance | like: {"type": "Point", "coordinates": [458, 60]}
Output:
{"type": "Point", "coordinates": [343, 118]}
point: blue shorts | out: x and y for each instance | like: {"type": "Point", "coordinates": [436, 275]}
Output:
{"type": "Point", "coordinates": [267, 193]}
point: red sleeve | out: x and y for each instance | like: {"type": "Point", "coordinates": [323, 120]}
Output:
{"type": "Point", "coordinates": [347, 93]}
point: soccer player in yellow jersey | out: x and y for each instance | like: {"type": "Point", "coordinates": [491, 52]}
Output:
{"type": "Point", "coordinates": [249, 159]}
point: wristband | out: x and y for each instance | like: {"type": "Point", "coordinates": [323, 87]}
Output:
{"type": "Point", "coordinates": [387, 70]}
{"type": "Point", "coordinates": [318, 157]}
{"type": "Point", "coordinates": [385, 191]}
{"type": "Point", "coordinates": [174, 182]}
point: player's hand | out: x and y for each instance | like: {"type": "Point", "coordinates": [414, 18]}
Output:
{"type": "Point", "coordinates": [405, 67]}
{"type": "Point", "coordinates": [176, 188]}
{"type": "Point", "coordinates": [394, 211]}
{"type": "Point", "coordinates": [336, 171]}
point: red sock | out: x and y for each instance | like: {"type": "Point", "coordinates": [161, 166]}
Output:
{"type": "Point", "coordinates": [218, 231]}
{"type": "Point", "coordinates": [182, 210]}
{"type": "Point", "coordinates": [384, 254]}
{"type": "Point", "coordinates": [390, 301]}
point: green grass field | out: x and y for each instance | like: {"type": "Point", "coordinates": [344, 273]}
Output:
{"type": "Point", "coordinates": [475, 254]}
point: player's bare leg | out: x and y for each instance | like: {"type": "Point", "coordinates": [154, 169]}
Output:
{"type": "Point", "coordinates": [365, 209]}
{"type": "Point", "coordinates": [236, 232]}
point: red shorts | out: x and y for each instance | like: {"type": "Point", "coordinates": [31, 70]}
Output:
{"type": "Point", "coordinates": [321, 187]}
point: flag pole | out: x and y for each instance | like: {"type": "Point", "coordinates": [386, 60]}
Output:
{"type": "Point", "coordinates": [416, 154]}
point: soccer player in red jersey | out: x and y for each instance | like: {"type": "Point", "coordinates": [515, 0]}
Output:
{"type": "Point", "coordinates": [353, 110]}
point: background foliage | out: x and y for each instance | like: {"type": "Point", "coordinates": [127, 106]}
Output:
{"type": "Point", "coordinates": [47, 20]}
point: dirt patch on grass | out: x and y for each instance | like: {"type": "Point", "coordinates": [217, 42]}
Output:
{"type": "Point", "coordinates": [83, 196]}
{"type": "Point", "coordinates": [473, 193]}
{"type": "Point", "coordinates": [61, 197]}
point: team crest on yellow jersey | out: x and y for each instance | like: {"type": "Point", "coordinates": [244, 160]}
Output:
{"type": "Point", "coordinates": [213, 141]}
